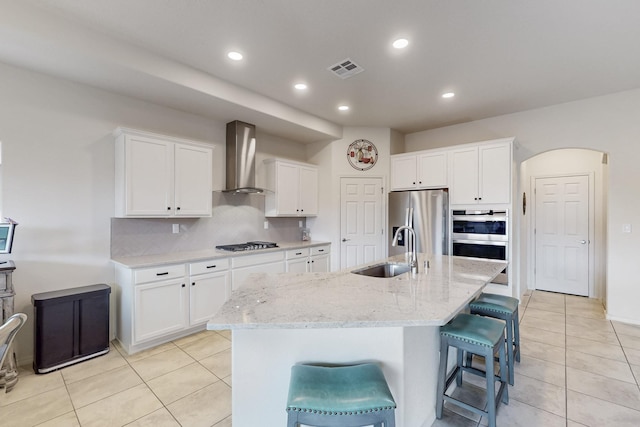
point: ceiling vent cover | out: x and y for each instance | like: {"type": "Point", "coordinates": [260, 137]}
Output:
{"type": "Point", "coordinates": [345, 68]}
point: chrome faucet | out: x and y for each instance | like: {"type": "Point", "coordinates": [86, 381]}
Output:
{"type": "Point", "coordinates": [410, 247]}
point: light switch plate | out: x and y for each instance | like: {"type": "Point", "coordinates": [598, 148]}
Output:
{"type": "Point", "coordinates": [266, 225]}
{"type": "Point", "coordinates": [175, 228]}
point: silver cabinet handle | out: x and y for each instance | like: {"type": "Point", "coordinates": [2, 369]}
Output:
{"type": "Point", "coordinates": [583, 242]}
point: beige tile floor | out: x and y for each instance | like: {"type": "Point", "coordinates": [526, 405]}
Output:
{"type": "Point", "coordinates": [186, 382]}
{"type": "Point", "coordinates": [577, 369]}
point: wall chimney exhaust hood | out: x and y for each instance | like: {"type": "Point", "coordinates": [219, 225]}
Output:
{"type": "Point", "coordinates": [241, 157]}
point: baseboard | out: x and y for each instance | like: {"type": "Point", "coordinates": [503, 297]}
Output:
{"type": "Point", "coordinates": [622, 319]}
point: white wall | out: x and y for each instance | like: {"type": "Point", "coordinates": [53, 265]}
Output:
{"type": "Point", "coordinates": [58, 177]}
{"type": "Point", "coordinates": [609, 124]}
{"type": "Point", "coordinates": [332, 158]}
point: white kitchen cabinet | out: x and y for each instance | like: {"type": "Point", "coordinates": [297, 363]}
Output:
{"type": "Point", "coordinates": [309, 260]}
{"type": "Point", "coordinates": [481, 173]}
{"type": "Point", "coordinates": [210, 286]}
{"type": "Point", "coordinates": [160, 302]}
{"type": "Point", "coordinates": [320, 259]}
{"type": "Point", "coordinates": [161, 176]}
{"type": "Point", "coordinates": [298, 260]}
{"type": "Point", "coordinates": [243, 266]}
{"type": "Point", "coordinates": [424, 169]}
{"type": "Point", "coordinates": [293, 188]}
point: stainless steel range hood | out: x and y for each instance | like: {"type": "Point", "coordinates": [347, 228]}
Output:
{"type": "Point", "coordinates": [241, 158]}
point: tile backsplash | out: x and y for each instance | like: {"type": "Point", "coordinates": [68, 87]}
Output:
{"type": "Point", "coordinates": [235, 219]}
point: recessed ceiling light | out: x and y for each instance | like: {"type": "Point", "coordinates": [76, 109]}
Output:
{"type": "Point", "coordinates": [300, 86]}
{"type": "Point", "coordinates": [448, 95]}
{"type": "Point", "coordinates": [401, 43]}
{"type": "Point", "coordinates": [236, 56]}
{"type": "Point", "coordinates": [343, 108]}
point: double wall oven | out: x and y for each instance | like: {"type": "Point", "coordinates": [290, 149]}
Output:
{"type": "Point", "coordinates": [481, 234]}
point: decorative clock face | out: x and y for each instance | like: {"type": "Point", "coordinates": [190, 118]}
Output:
{"type": "Point", "coordinates": [362, 154]}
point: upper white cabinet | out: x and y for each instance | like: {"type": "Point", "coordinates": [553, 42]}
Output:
{"type": "Point", "coordinates": [424, 169]}
{"type": "Point", "coordinates": [293, 188]}
{"type": "Point", "coordinates": [481, 173]}
{"type": "Point", "coordinates": [161, 176]}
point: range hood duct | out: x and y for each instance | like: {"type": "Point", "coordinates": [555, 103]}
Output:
{"type": "Point", "coordinates": [241, 158]}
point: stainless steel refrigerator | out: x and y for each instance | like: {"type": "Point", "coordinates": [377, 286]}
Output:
{"type": "Point", "coordinates": [427, 211]}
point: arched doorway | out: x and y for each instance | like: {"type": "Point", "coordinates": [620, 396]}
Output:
{"type": "Point", "coordinates": [581, 177]}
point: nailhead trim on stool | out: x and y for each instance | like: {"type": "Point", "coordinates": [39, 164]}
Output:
{"type": "Point", "coordinates": [479, 335]}
{"type": "Point", "coordinates": [504, 308]}
{"type": "Point", "coordinates": [339, 396]}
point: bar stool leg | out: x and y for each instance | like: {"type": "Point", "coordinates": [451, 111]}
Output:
{"type": "Point", "coordinates": [510, 349]}
{"type": "Point", "coordinates": [516, 331]}
{"type": "Point", "coordinates": [491, 390]}
{"type": "Point", "coordinates": [503, 374]}
{"type": "Point", "coordinates": [442, 375]}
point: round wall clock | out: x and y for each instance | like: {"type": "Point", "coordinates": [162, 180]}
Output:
{"type": "Point", "coordinates": [362, 154]}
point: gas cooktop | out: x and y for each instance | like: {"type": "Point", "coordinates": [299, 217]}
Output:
{"type": "Point", "coordinates": [248, 246]}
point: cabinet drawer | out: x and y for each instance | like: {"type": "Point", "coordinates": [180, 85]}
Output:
{"type": "Point", "coordinates": [158, 273]}
{"type": "Point", "coordinates": [320, 250]}
{"type": "Point", "coordinates": [298, 253]}
{"type": "Point", "coordinates": [209, 266]}
{"type": "Point", "coordinates": [243, 261]}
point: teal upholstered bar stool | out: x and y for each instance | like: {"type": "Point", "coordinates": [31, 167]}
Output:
{"type": "Point", "coordinates": [504, 308]}
{"type": "Point", "coordinates": [471, 334]}
{"type": "Point", "coordinates": [339, 396]}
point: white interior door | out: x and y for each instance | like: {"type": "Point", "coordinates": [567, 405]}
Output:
{"type": "Point", "coordinates": [362, 238]}
{"type": "Point", "coordinates": [562, 234]}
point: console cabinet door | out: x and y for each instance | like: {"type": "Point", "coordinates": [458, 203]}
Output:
{"type": "Point", "coordinates": [432, 170]}
{"type": "Point", "coordinates": [495, 173]}
{"type": "Point", "coordinates": [193, 180]}
{"type": "Point", "coordinates": [207, 293]}
{"type": "Point", "coordinates": [464, 176]}
{"type": "Point", "coordinates": [148, 177]}
{"type": "Point", "coordinates": [160, 308]}
{"type": "Point", "coordinates": [308, 191]}
{"type": "Point", "coordinates": [403, 172]}
{"type": "Point", "coordinates": [320, 263]}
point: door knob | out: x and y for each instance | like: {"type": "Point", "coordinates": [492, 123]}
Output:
{"type": "Point", "coordinates": [583, 242]}
{"type": "Point", "coordinates": [345, 240]}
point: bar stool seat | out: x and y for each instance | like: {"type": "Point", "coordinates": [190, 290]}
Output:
{"type": "Point", "coordinates": [504, 308]}
{"type": "Point", "coordinates": [479, 335]}
{"type": "Point", "coordinates": [339, 396]}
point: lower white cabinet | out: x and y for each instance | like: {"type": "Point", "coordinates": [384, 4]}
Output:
{"type": "Point", "coordinates": [209, 288]}
{"type": "Point", "coordinates": [158, 304]}
{"type": "Point", "coordinates": [309, 260]}
{"type": "Point", "coordinates": [243, 266]}
{"type": "Point", "coordinates": [160, 308]}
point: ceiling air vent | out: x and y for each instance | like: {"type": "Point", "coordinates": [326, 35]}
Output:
{"type": "Point", "coordinates": [345, 68]}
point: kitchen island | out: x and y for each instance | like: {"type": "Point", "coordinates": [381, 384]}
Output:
{"type": "Point", "coordinates": [278, 320]}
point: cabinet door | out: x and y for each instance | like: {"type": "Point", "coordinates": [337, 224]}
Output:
{"type": "Point", "coordinates": [207, 293]}
{"type": "Point", "coordinates": [160, 308]}
{"type": "Point", "coordinates": [308, 191]}
{"type": "Point", "coordinates": [320, 264]}
{"type": "Point", "coordinates": [298, 265]}
{"type": "Point", "coordinates": [193, 175]}
{"type": "Point", "coordinates": [403, 172]}
{"type": "Point", "coordinates": [432, 170]}
{"type": "Point", "coordinates": [464, 176]}
{"type": "Point", "coordinates": [148, 177]}
{"type": "Point", "coordinates": [287, 187]}
{"type": "Point", "coordinates": [240, 275]}
{"type": "Point", "coordinates": [495, 173]}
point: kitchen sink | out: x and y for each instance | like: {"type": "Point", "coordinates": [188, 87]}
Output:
{"type": "Point", "coordinates": [385, 269]}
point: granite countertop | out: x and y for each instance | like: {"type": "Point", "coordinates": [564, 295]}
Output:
{"type": "Point", "coordinates": [190, 256]}
{"type": "Point", "coordinates": [344, 300]}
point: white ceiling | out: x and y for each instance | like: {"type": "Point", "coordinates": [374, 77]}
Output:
{"type": "Point", "coordinates": [498, 56]}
